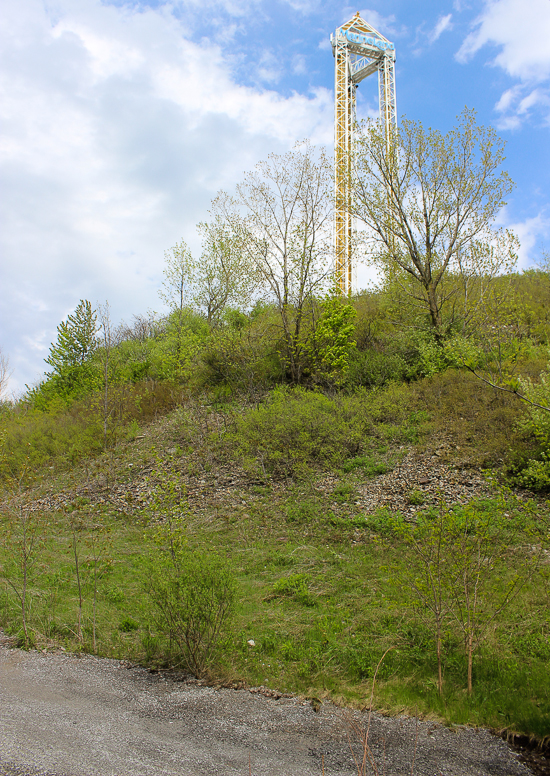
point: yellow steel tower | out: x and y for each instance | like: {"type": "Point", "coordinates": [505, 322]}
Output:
{"type": "Point", "coordinates": [359, 50]}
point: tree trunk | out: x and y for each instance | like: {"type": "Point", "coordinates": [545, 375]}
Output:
{"type": "Point", "coordinates": [439, 661]}
{"type": "Point", "coordinates": [470, 660]}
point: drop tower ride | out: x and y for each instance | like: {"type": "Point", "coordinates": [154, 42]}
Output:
{"type": "Point", "coordinates": [359, 50]}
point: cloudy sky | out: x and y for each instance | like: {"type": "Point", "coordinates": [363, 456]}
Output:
{"type": "Point", "coordinates": [121, 120]}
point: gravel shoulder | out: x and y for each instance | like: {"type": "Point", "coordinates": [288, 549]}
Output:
{"type": "Point", "coordinates": [68, 715]}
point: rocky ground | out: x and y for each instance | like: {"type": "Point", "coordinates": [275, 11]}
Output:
{"type": "Point", "coordinates": [63, 715]}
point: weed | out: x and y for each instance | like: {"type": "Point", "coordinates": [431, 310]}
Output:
{"type": "Point", "coordinates": [415, 497]}
{"type": "Point", "coordinates": [368, 465]}
{"type": "Point", "coordinates": [343, 493]}
{"type": "Point", "coordinates": [294, 586]}
{"type": "Point", "coordinates": [128, 625]}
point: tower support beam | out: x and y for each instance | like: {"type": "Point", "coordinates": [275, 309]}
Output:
{"type": "Point", "coordinates": [359, 50]}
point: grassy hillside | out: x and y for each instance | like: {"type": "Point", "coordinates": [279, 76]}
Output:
{"type": "Point", "coordinates": [311, 499]}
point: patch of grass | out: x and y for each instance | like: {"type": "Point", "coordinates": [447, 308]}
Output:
{"type": "Point", "coordinates": [415, 497]}
{"type": "Point", "coordinates": [368, 465]}
{"type": "Point", "coordinates": [294, 586]}
{"type": "Point", "coordinates": [344, 493]}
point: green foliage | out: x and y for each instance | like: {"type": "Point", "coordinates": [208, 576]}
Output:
{"type": "Point", "coordinates": [295, 586]}
{"type": "Point", "coordinates": [415, 497]}
{"type": "Point", "coordinates": [534, 473]}
{"type": "Point", "coordinates": [33, 439]}
{"type": "Point", "coordinates": [439, 251]}
{"type": "Point", "coordinates": [74, 373]}
{"type": "Point", "coordinates": [76, 339]}
{"type": "Point", "coordinates": [372, 369]}
{"type": "Point", "coordinates": [22, 540]}
{"type": "Point", "coordinates": [460, 572]}
{"type": "Point", "coordinates": [193, 595]}
{"type": "Point", "coordinates": [242, 357]}
{"type": "Point", "coordinates": [537, 418]}
{"type": "Point", "coordinates": [297, 429]}
{"type": "Point", "coordinates": [368, 465]}
{"type": "Point", "coordinates": [128, 625]}
{"type": "Point", "coordinates": [332, 344]}
{"type": "Point", "coordinates": [174, 353]}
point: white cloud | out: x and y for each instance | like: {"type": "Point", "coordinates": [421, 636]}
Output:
{"type": "Point", "coordinates": [521, 31]}
{"type": "Point", "coordinates": [119, 127]}
{"type": "Point", "coordinates": [443, 23]}
{"type": "Point", "coordinates": [384, 24]}
{"type": "Point", "coordinates": [531, 232]}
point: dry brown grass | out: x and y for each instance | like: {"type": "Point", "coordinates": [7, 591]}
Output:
{"type": "Point", "coordinates": [478, 422]}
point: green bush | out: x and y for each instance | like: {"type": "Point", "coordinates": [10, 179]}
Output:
{"type": "Point", "coordinates": [373, 369]}
{"type": "Point", "coordinates": [194, 597]}
{"type": "Point", "coordinates": [368, 465]}
{"type": "Point", "coordinates": [242, 358]}
{"type": "Point", "coordinates": [296, 429]}
{"type": "Point", "coordinates": [534, 474]}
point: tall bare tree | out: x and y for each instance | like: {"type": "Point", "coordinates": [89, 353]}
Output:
{"type": "Point", "coordinates": [287, 209]}
{"type": "Point", "coordinates": [429, 203]}
{"type": "Point", "coordinates": [4, 373]}
{"type": "Point", "coordinates": [222, 277]}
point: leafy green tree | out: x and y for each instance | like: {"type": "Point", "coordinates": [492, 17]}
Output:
{"type": "Point", "coordinates": [76, 339]}
{"type": "Point", "coordinates": [222, 278]}
{"type": "Point", "coordinates": [429, 202]}
{"type": "Point", "coordinates": [227, 278]}
{"type": "Point", "coordinates": [73, 370]}
{"type": "Point", "coordinates": [332, 342]}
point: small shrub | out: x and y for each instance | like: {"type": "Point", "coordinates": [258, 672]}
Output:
{"type": "Point", "coordinates": [368, 465]}
{"type": "Point", "coordinates": [373, 370]}
{"type": "Point", "coordinates": [343, 493]}
{"type": "Point", "coordinates": [127, 625]}
{"type": "Point", "coordinates": [194, 597]}
{"type": "Point", "coordinates": [415, 497]}
{"type": "Point", "coordinates": [381, 521]}
{"type": "Point", "coordinates": [535, 475]}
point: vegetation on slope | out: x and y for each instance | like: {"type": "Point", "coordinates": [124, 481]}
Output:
{"type": "Point", "coordinates": [276, 485]}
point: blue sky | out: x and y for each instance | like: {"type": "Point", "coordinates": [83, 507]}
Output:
{"type": "Point", "coordinates": [121, 120]}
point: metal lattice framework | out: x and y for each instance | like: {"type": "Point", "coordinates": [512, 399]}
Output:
{"type": "Point", "coordinates": [359, 51]}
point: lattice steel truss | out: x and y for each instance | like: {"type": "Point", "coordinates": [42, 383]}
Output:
{"type": "Point", "coordinates": [359, 50]}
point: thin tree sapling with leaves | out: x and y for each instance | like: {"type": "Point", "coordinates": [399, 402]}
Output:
{"type": "Point", "coordinates": [193, 592]}
{"type": "Point", "coordinates": [23, 536]}
{"type": "Point", "coordinates": [467, 563]}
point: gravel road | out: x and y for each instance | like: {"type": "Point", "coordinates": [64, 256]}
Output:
{"type": "Point", "coordinates": [64, 715]}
